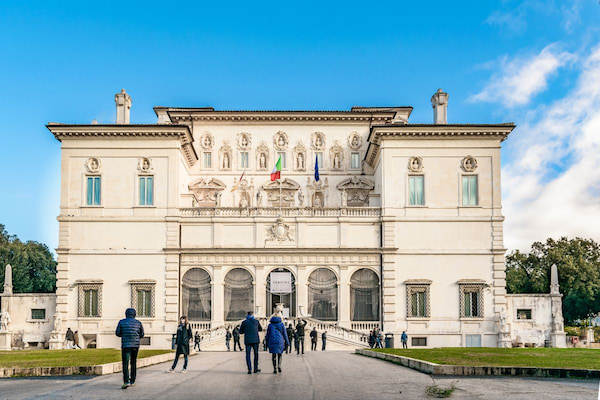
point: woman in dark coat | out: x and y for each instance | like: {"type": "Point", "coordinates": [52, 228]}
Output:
{"type": "Point", "coordinates": [184, 335]}
{"type": "Point", "coordinates": [277, 340]}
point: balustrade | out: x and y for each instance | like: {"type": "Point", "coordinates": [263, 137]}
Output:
{"type": "Point", "coordinates": [284, 212]}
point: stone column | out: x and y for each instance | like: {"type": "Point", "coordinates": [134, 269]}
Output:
{"type": "Point", "coordinates": [344, 288]}
{"type": "Point", "coordinates": [218, 306]}
{"type": "Point", "coordinates": [302, 291]}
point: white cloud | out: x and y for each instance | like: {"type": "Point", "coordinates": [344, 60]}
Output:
{"type": "Point", "coordinates": [514, 22]}
{"type": "Point", "coordinates": [537, 204]}
{"type": "Point", "coordinates": [518, 80]}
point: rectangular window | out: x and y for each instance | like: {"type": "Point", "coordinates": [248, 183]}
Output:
{"type": "Point", "coordinates": [320, 159]}
{"type": "Point", "coordinates": [471, 300]}
{"type": "Point", "coordinates": [471, 304]}
{"type": "Point", "coordinates": [93, 191]}
{"type": "Point", "coordinates": [524, 313]}
{"type": "Point", "coordinates": [416, 188]}
{"type": "Point", "coordinates": [145, 341]}
{"type": "Point", "coordinates": [473, 340]}
{"type": "Point", "coordinates": [418, 304]}
{"type": "Point", "coordinates": [419, 341]}
{"type": "Point", "coordinates": [90, 303]}
{"type": "Point", "coordinates": [38, 313]}
{"type": "Point", "coordinates": [417, 299]}
{"type": "Point", "coordinates": [146, 190]}
{"type": "Point", "coordinates": [469, 190]}
{"type": "Point", "coordinates": [207, 160]}
{"type": "Point", "coordinates": [355, 160]}
{"type": "Point", "coordinates": [283, 159]}
{"type": "Point", "coordinates": [244, 159]}
{"type": "Point", "coordinates": [144, 302]}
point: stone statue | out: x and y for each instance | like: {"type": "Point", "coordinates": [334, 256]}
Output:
{"type": "Point", "coordinates": [344, 198]}
{"type": "Point", "coordinates": [300, 161]}
{"type": "Point", "coordinates": [57, 322]}
{"type": "Point", "coordinates": [317, 202]}
{"type": "Point", "coordinates": [263, 161]}
{"type": "Point", "coordinates": [4, 321]}
{"type": "Point", "coordinates": [336, 161]}
{"type": "Point", "coordinates": [300, 198]}
{"type": "Point", "coordinates": [218, 199]}
{"type": "Point", "coordinates": [281, 141]}
{"type": "Point", "coordinates": [225, 161]}
{"type": "Point", "coordinates": [355, 141]}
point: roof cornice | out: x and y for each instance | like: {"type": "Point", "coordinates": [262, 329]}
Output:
{"type": "Point", "coordinates": [61, 131]}
{"type": "Point", "coordinates": [357, 114]}
{"type": "Point", "coordinates": [425, 131]}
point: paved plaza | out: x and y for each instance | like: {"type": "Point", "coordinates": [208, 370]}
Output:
{"type": "Point", "coordinates": [316, 375]}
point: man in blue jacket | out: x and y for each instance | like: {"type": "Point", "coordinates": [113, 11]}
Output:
{"type": "Point", "coordinates": [130, 330]}
{"type": "Point", "coordinates": [250, 328]}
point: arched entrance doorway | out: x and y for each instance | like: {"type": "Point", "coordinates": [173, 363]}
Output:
{"type": "Point", "coordinates": [197, 295]}
{"type": "Point", "coordinates": [364, 296]}
{"type": "Point", "coordinates": [239, 294]}
{"type": "Point", "coordinates": [323, 294]}
{"type": "Point", "coordinates": [281, 288]}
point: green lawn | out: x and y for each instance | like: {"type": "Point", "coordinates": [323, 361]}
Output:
{"type": "Point", "coordinates": [65, 358]}
{"type": "Point", "coordinates": [517, 357]}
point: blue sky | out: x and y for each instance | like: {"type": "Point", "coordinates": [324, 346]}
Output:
{"type": "Point", "coordinates": [535, 63]}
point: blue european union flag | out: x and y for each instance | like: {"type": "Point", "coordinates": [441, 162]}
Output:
{"type": "Point", "coordinates": [316, 168]}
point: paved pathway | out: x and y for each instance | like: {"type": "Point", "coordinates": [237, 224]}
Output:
{"type": "Point", "coordinates": [316, 375]}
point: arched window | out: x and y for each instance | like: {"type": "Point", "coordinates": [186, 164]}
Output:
{"type": "Point", "coordinates": [197, 293]}
{"type": "Point", "coordinates": [364, 295]}
{"type": "Point", "coordinates": [239, 294]}
{"type": "Point", "coordinates": [323, 294]}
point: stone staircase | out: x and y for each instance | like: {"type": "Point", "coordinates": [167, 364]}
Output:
{"type": "Point", "coordinates": [338, 338]}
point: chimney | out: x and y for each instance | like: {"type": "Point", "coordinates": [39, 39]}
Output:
{"type": "Point", "coordinates": [439, 102]}
{"type": "Point", "coordinates": [123, 101]}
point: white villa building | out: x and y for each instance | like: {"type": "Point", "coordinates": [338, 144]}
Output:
{"type": "Point", "coordinates": [403, 230]}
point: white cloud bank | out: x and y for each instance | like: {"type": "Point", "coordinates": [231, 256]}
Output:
{"type": "Point", "coordinates": [518, 80]}
{"type": "Point", "coordinates": [538, 203]}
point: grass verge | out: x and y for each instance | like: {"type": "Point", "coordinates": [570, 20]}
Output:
{"type": "Point", "coordinates": [514, 357]}
{"type": "Point", "coordinates": [65, 358]}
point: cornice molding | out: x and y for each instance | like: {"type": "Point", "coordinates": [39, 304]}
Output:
{"type": "Point", "coordinates": [282, 118]}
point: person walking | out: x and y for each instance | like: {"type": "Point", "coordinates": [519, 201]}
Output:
{"type": "Point", "coordinates": [70, 338]}
{"type": "Point", "coordinates": [250, 328]}
{"type": "Point", "coordinates": [290, 335]}
{"type": "Point", "coordinates": [182, 341]}
{"type": "Point", "coordinates": [277, 340]}
{"type": "Point", "coordinates": [371, 339]}
{"type": "Point", "coordinates": [404, 340]}
{"type": "Point", "coordinates": [295, 335]}
{"type": "Point", "coordinates": [300, 334]}
{"type": "Point", "coordinates": [236, 338]}
{"type": "Point", "coordinates": [324, 340]}
{"type": "Point", "coordinates": [227, 338]}
{"type": "Point", "coordinates": [313, 339]}
{"type": "Point", "coordinates": [76, 340]}
{"type": "Point", "coordinates": [197, 340]}
{"type": "Point", "coordinates": [379, 339]}
{"type": "Point", "coordinates": [130, 330]}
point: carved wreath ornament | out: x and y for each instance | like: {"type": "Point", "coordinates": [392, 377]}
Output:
{"type": "Point", "coordinates": [280, 231]}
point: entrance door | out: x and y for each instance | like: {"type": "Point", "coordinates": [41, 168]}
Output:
{"type": "Point", "coordinates": [287, 299]}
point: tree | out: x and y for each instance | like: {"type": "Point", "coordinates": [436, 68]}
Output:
{"type": "Point", "coordinates": [578, 262]}
{"type": "Point", "coordinates": [34, 268]}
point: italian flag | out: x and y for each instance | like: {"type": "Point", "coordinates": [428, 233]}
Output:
{"type": "Point", "coordinates": [276, 173]}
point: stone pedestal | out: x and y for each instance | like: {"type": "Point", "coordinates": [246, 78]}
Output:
{"type": "Point", "coordinates": [55, 342]}
{"type": "Point", "coordinates": [504, 340]}
{"type": "Point", "coordinates": [5, 341]}
{"type": "Point", "coordinates": [589, 333]}
{"type": "Point", "coordinates": [559, 339]}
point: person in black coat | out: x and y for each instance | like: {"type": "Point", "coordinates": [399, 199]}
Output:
{"type": "Point", "coordinates": [324, 340]}
{"type": "Point", "coordinates": [228, 338]}
{"type": "Point", "coordinates": [236, 338]}
{"type": "Point", "coordinates": [130, 330]}
{"type": "Point", "coordinates": [184, 335]}
{"type": "Point", "coordinates": [290, 334]}
{"type": "Point", "coordinates": [250, 328]}
{"type": "Point", "coordinates": [197, 340]}
{"type": "Point", "coordinates": [300, 334]}
{"type": "Point", "coordinates": [313, 339]}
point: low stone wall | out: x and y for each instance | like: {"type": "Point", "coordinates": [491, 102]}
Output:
{"type": "Point", "coordinates": [103, 369]}
{"type": "Point", "coordinates": [438, 369]}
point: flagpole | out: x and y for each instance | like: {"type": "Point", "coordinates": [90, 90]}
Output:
{"type": "Point", "coordinates": [280, 197]}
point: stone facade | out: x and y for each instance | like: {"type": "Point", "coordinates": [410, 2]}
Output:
{"type": "Point", "coordinates": [402, 231]}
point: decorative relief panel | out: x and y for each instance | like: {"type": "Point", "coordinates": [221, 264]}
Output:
{"type": "Point", "coordinates": [93, 165]}
{"type": "Point", "coordinates": [246, 192]}
{"type": "Point", "coordinates": [318, 141]}
{"type": "Point", "coordinates": [262, 157]}
{"type": "Point", "coordinates": [144, 165]}
{"type": "Point", "coordinates": [300, 157]}
{"type": "Point", "coordinates": [355, 191]}
{"type": "Point", "coordinates": [468, 164]}
{"type": "Point", "coordinates": [317, 191]}
{"type": "Point", "coordinates": [207, 140]}
{"type": "Point", "coordinates": [281, 193]}
{"type": "Point", "coordinates": [244, 141]}
{"type": "Point", "coordinates": [280, 234]}
{"type": "Point", "coordinates": [281, 140]}
{"type": "Point", "coordinates": [415, 164]}
{"type": "Point", "coordinates": [207, 193]}
{"type": "Point", "coordinates": [354, 141]}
